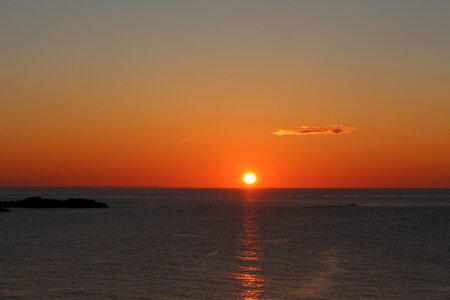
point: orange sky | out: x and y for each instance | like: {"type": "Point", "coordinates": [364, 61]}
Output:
{"type": "Point", "coordinates": [170, 94]}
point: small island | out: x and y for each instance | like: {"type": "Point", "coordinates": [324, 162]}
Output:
{"type": "Point", "coordinates": [4, 209]}
{"type": "Point", "coordinates": [39, 202]}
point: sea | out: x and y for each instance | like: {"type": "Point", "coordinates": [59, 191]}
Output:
{"type": "Point", "coordinates": [155, 243]}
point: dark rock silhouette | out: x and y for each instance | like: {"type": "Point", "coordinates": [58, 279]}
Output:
{"type": "Point", "coordinates": [4, 209]}
{"type": "Point", "coordinates": [352, 204]}
{"type": "Point", "coordinates": [39, 202]}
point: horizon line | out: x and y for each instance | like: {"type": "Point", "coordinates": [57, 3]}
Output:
{"type": "Point", "coordinates": [228, 188]}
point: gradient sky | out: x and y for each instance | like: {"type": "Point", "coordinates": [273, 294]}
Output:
{"type": "Point", "coordinates": [189, 93]}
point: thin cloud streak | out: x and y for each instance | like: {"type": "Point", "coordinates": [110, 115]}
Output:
{"type": "Point", "coordinates": [315, 130]}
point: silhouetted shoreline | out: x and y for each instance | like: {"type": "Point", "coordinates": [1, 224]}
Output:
{"type": "Point", "coordinates": [39, 202]}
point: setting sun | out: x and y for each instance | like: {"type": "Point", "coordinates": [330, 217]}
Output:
{"type": "Point", "coordinates": [249, 178]}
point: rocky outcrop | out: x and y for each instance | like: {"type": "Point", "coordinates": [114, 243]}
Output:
{"type": "Point", "coordinates": [4, 209]}
{"type": "Point", "coordinates": [39, 202]}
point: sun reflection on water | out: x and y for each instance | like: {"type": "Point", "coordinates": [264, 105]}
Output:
{"type": "Point", "coordinates": [249, 273]}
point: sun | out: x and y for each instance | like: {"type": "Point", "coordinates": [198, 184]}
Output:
{"type": "Point", "coordinates": [249, 178]}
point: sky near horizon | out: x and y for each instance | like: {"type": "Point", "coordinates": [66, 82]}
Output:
{"type": "Point", "coordinates": [195, 93]}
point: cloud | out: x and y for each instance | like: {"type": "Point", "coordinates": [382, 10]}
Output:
{"type": "Point", "coordinates": [315, 130]}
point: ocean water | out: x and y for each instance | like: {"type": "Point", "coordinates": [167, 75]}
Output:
{"type": "Point", "coordinates": [228, 244]}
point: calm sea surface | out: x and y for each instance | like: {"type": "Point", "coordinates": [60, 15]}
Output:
{"type": "Point", "coordinates": [228, 244]}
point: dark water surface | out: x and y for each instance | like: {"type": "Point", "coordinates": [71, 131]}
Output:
{"type": "Point", "coordinates": [228, 244]}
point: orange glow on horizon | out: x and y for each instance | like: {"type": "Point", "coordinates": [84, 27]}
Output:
{"type": "Point", "coordinates": [79, 110]}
